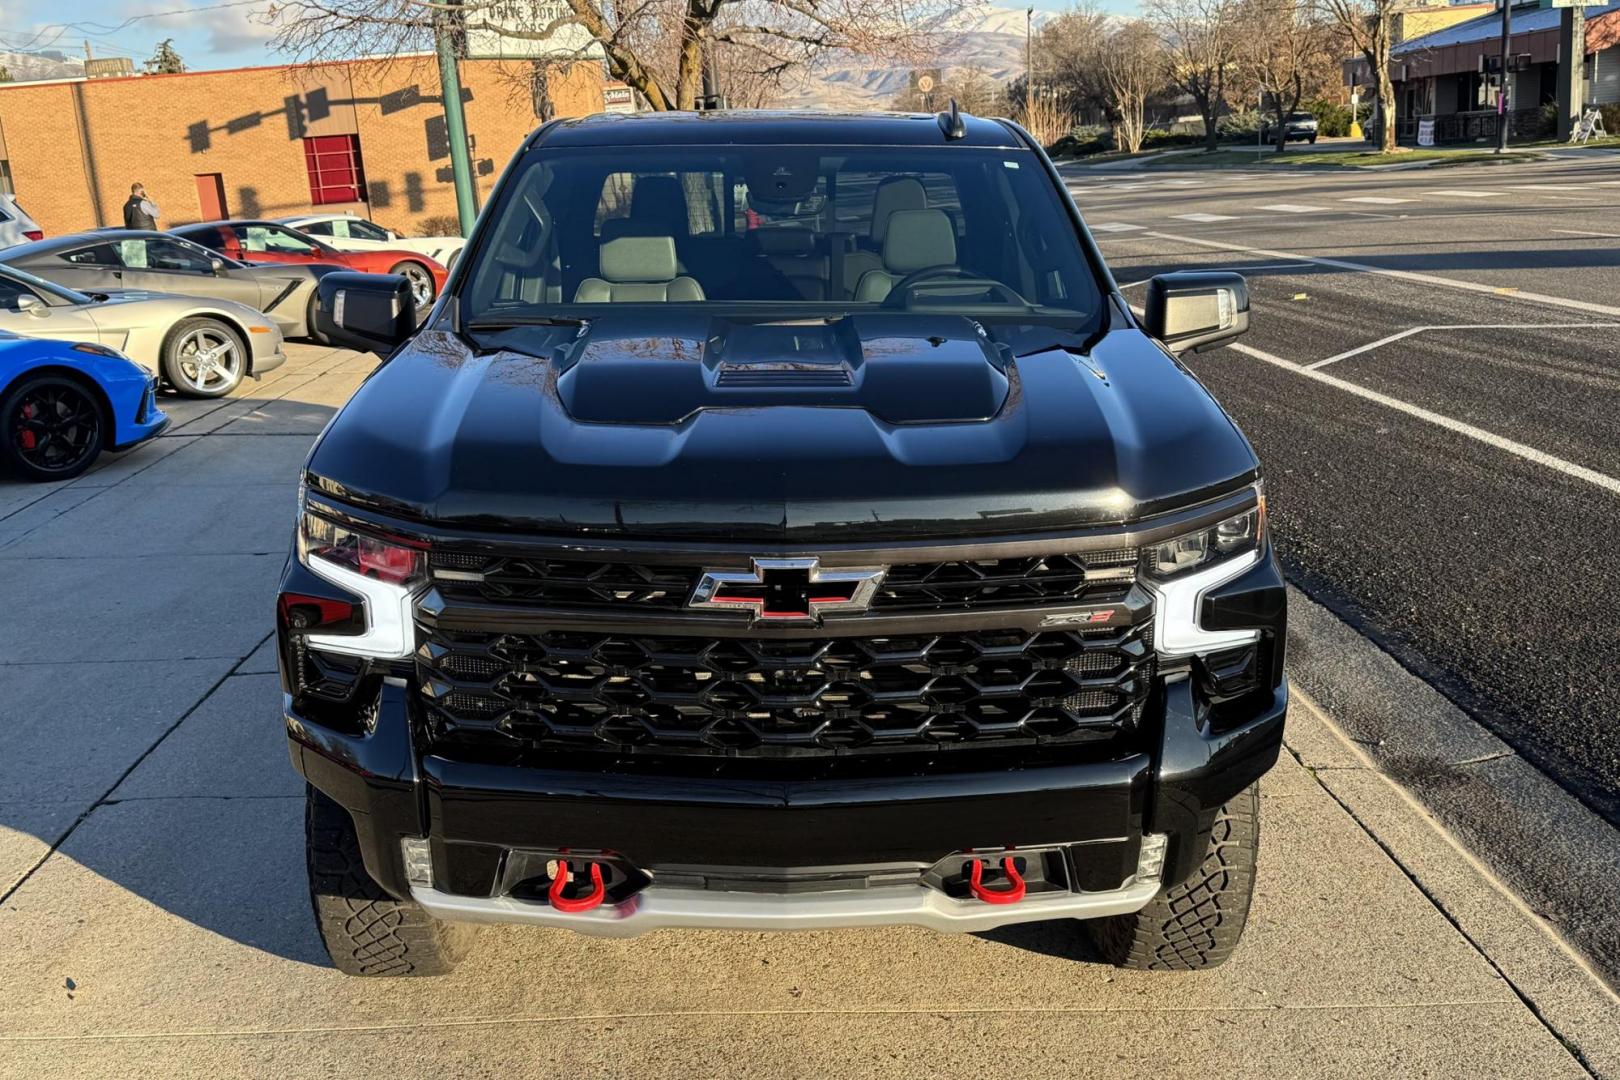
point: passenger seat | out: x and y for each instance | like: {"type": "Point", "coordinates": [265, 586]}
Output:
{"type": "Point", "coordinates": [637, 269]}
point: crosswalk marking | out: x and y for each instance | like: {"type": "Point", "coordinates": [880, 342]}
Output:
{"type": "Point", "coordinates": [1381, 200]}
{"type": "Point", "coordinates": [1463, 193]}
{"type": "Point", "coordinates": [1294, 208]}
{"type": "Point", "coordinates": [1204, 217]}
{"type": "Point", "coordinates": [1114, 226]}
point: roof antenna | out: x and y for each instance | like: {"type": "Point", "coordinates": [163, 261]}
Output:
{"type": "Point", "coordinates": [951, 123]}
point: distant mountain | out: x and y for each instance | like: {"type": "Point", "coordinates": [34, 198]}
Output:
{"type": "Point", "coordinates": [31, 66]}
{"type": "Point", "coordinates": [989, 38]}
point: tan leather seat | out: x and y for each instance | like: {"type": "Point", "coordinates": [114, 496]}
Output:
{"type": "Point", "coordinates": [893, 195]}
{"type": "Point", "coordinates": [637, 269]}
{"type": "Point", "coordinates": [915, 240]}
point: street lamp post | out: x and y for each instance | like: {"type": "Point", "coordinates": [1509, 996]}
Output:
{"type": "Point", "coordinates": [1029, 62]}
{"type": "Point", "coordinates": [1502, 90]}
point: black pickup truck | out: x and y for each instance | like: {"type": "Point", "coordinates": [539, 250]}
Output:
{"type": "Point", "coordinates": [781, 522]}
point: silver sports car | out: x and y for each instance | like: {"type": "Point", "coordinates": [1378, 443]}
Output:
{"type": "Point", "coordinates": [96, 262]}
{"type": "Point", "coordinates": [202, 347]}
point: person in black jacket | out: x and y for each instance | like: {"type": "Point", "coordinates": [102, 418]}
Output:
{"type": "Point", "coordinates": [139, 211]}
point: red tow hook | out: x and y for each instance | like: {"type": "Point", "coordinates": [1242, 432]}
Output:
{"type": "Point", "coordinates": [1014, 891]}
{"type": "Point", "coordinates": [585, 903]}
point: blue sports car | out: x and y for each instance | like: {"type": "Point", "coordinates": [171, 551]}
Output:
{"type": "Point", "coordinates": [62, 403]}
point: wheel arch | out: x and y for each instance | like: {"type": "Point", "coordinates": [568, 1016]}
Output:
{"type": "Point", "coordinates": [97, 392]}
{"type": "Point", "coordinates": [233, 322]}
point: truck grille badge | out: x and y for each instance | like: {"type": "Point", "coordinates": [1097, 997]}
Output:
{"type": "Point", "coordinates": [787, 589]}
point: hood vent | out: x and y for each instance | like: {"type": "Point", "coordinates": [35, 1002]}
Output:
{"type": "Point", "coordinates": [783, 374]}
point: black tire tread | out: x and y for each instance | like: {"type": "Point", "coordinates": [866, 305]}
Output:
{"type": "Point", "coordinates": [366, 931]}
{"type": "Point", "coordinates": [1196, 924]}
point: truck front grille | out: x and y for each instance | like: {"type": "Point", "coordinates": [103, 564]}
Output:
{"type": "Point", "coordinates": [784, 697]}
{"type": "Point", "coordinates": [1092, 577]}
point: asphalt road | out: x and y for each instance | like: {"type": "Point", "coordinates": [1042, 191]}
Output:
{"type": "Point", "coordinates": [1432, 381]}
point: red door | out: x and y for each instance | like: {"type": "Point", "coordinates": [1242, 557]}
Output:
{"type": "Point", "coordinates": [211, 196]}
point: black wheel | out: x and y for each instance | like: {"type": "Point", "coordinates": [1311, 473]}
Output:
{"type": "Point", "coordinates": [366, 931]}
{"type": "Point", "coordinates": [421, 283]}
{"type": "Point", "coordinates": [204, 358]}
{"type": "Point", "coordinates": [1198, 923]}
{"type": "Point", "coordinates": [51, 428]}
{"type": "Point", "coordinates": [1313, 140]}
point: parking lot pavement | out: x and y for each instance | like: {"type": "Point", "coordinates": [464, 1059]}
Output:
{"type": "Point", "coordinates": [154, 919]}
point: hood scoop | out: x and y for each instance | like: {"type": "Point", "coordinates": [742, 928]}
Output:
{"type": "Point", "coordinates": [902, 369]}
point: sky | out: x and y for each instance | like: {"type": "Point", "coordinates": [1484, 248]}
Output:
{"type": "Point", "coordinates": [206, 33]}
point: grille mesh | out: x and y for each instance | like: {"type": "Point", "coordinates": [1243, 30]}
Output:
{"type": "Point", "coordinates": [780, 697]}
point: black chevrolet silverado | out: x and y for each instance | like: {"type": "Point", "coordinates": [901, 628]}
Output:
{"type": "Point", "coordinates": [781, 522]}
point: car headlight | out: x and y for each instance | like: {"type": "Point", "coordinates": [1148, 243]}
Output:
{"type": "Point", "coordinates": [383, 572]}
{"type": "Point", "coordinates": [1235, 535]}
{"type": "Point", "coordinates": [1181, 570]}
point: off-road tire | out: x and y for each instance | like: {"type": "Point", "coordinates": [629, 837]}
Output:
{"type": "Point", "coordinates": [366, 931]}
{"type": "Point", "coordinates": [1196, 924]}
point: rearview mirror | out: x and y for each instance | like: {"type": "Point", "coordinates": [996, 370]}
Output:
{"type": "Point", "coordinates": [1196, 309]}
{"type": "Point", "coordinates": [370, 312]}
{"type": "Point", "coordinates": [33, 305]}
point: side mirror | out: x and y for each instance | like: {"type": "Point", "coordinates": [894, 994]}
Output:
{"type": "Point", "coordinates": [33, 305]}
{"type": "Point", "coordinates": [1196, 309]}
{"type": "Point", "coordinates": [218, 265]}
{"type": "Point", "coordinates": [392, 235]}
{"type": "Point", "coordinates": [370, 312]}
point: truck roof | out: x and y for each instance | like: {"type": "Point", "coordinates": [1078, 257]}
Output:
{"type": "Point", "coordinates": [765, 126]}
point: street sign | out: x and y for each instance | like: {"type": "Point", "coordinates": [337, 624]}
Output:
{"type": "Point", "coordinates": [567, 40]}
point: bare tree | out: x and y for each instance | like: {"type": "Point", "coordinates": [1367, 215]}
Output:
{"type": "Point", "coordinates": [658, 47]}
{"type": "Point", "coordinates": [1096, 62]}
{"type": "Point", "coordinates": [1200, 46]}
{"type": "Point", "coordinates": [1370, 27]}
{"type": "Point", "coordinates": [1290, 52]}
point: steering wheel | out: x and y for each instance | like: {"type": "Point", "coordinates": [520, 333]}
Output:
{"type": "Point", "coordinates": [897, 293]}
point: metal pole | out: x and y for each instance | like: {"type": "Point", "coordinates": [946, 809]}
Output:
{"type": "Point", "coordinates": [1502, 90]}
{"type": "Point", "coordinates": [1029, 63]}
{"type": "Point", "coordinates": [455, 125]}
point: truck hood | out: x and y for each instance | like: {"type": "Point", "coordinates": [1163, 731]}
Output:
{"type": "Point", "coordinates": [879, 427]}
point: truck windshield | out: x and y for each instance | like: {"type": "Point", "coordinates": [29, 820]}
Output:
{"type": "Point", "coordinates": [781, 229]}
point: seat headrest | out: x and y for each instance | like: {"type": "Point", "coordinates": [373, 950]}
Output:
{"type": "Point", "coordinates": [639, 258]}
{"type": "Point", "coordinates": [660, 200]}
{"type": "Point", "coordinates": [894, 194]}
{"type": "Point", "coordinates": [784, 241]}
{"type": "Point", "coordinates": [919, 239]}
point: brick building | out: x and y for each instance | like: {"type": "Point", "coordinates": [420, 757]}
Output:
{"type": "Point", "coordinates": [363, 135]}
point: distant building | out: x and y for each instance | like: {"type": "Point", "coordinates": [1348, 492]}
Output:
{"type": "Point", "coordinates": [1442, 74]}
{"type": "Point", "coordinates": [365, 136]}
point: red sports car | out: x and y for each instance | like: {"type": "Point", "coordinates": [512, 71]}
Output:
{"type": "Point", "coordinates": [267, 241]}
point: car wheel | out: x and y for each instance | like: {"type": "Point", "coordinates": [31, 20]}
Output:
{"type": "Point", "coordinates": [51, 428]}
{"type": "Point", "coordinates": [1313, 140]}
{"type": "Point", "coordinates": [366, 931]}
{"type": "Point", "coordinates": [420, 280]}
{"type": "Point", "coordinates": [1196, 924]}
{"type": "Point", "coordinates": [204, 358]}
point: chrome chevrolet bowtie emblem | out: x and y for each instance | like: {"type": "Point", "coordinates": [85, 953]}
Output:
{"type": "Point", "coordinates": [787, 589]}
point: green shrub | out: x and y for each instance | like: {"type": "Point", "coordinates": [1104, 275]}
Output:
{"type": "Point", "coordinates": [1611, 119]}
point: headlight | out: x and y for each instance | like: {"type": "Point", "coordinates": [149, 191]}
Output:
{"type": "Point", "coordinates": [1234, 536]}
{"type": "Point", "coordinates": [383, 573]}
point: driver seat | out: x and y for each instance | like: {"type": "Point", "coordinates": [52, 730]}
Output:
{"type": "Point", "coordinates": [638, 269]}
{"type": "Point", "coordinates": [916, 240]}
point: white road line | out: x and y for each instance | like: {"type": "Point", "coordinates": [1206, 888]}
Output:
{"type": "Point", "coordinates": [1518, 449]}
{"type": "Point", "coordinates": [1113, 226]}
{"type": "Point", "coordinates": [1381, 342]}
{"type": "Point", "coordinates": [1464, 194]}
{"type": "Point", "coordinates": [1549, 187]}
{"type": "Point", "coordinates": [1294, 208]}
{"type": "Point", "coordinates": [1381, 200]}
{"type": "Point", "coordinates": [1403, 275]}
{"type": "Point", "coordinates": [1204, 218]}
{"type": "Point", "coordinates": [1588, 232]}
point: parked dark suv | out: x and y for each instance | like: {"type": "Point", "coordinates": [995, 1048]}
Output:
{"type": "Point", "coordinates": [781, 522]}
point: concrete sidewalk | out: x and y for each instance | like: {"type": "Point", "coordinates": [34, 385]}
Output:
{"type": "Point", "coordinates": [169, 933]}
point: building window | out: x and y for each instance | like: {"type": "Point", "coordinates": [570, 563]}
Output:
{"type": "Point", "coordinates": [335, 172]}
{"type": "Point", "coordinates": [6, 187]}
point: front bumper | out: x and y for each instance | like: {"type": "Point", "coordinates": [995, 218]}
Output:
{"type": "Point", "coordinates": [264, 363]}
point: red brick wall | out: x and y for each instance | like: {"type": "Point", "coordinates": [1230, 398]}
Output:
{"type": "Point", "coordinates": [248, 126]}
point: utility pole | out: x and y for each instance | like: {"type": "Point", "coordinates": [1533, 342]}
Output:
{"type": "Point", "coordinates": [455, 121]}
{"type": "Point", "coordinates": [1571, 69]}
{"type": "Point", "coordinates": [1502, 88]}
{"type": "Point", "coordinates": [1029, 61]}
